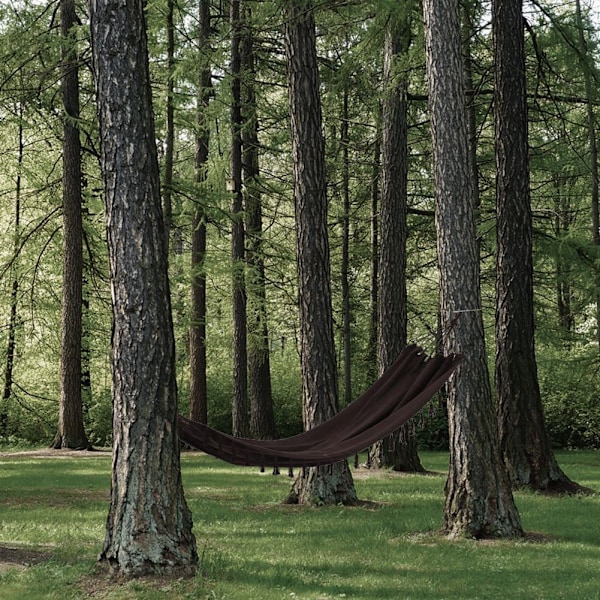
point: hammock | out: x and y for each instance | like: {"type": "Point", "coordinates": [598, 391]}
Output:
{"type": "Point", "coordinates": [391, 401]}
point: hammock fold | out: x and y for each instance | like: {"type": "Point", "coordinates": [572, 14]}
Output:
{"type": "Point", "coordinates": [389, 403]}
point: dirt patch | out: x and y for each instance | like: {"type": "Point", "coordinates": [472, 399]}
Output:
{"type": "Point", "coordinates": [363, 472]}
{"type": "Point", "coordinates": [20, 558]}
{"type": "Point", "coordinates": [52, 453]}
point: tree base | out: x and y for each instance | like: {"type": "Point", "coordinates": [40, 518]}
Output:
{"type": "Point", "coordinates": [149, 570]}
{"type": "Point", "coordinates": [563, 486]}
{"type": "Point", "coordinates": [60, 442]}
{"type": "Point", "coordinates": [324, 486]}
{"type": "Point", "coordinates": [397, 452]}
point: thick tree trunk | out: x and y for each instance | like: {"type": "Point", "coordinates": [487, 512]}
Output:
{"type": "Point", "coordinates": [319, 372]}
{"type": "Point", "coordinates": [149, 526]}
{"type": "Point", "coordinates": [198, 388]}
{"type": "Point", "coordinates": [399, 451]}
{"type": "Point", "coordinates": [71, 432]}
{"type": "Point", "coordinates": [479, 501]}
{"type": "Point", "coordinates": [240, 410]}
{"type": "Point", "coordinates": [262, 417]}
{"type": "Point", "coordinates": [524, 442]}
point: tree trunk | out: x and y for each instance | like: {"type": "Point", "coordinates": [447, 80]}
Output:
{"type": "Point", "coordinates": [149, 526]}
{"type": "Point", "coordinates": [14, 294]}
{"type": "Point", "coordinates": [345, 266]}
{"type": "Point", "coordinates": [562, 226]}
{"type": "Point", "coordinates": [374, 293]}
{"type": "Point", "coordinates": [398, 451]}
{"type": "Point", "coordinates": [524, 443]}
{"type": "Point", "coordinates": [169, 124]}
{"type": "Point", "coordinates": [588, 66]}
{"type": "Point", "coordinates": [240, 412]}
{"type": "Point", "coordinates": [262, 417]}
{"type": "Point", "coordinates": [479, 501]}
{"type": "Point", "coordinates": [468, 34]}
{"type": "Point", "coordinates": [334, 484]}
{"type": "Point", "coordinates": [198, 387]}
{"type": "Point", "coordinates": [71, 432]}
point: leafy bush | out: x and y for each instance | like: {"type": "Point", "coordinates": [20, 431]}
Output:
{"type": "Point", "coordinates": [431, 426]}
{"type": "Point", "coordinates": [571, 395]}
{"type": "Point", "coordinates": [99, 419]}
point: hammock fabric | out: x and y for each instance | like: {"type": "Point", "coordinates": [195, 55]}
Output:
{"type": "Point", "coordinates": [391, 401]}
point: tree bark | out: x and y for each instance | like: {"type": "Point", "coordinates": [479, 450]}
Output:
{"type": "Point", "coordinates": [524, 442]}
{"type": "Point", "coordinates": [398, 451]}
{"type": "Point", "coordinates": [14, 294]}
{"type": "Point", "coordinates": [333, 484]}
{"type": "Point", "coordinates": [71, 432]}
{"type": "Point", "coordinates": [586, 61]}
{"type": "Point", "coordinates": [167, 194]}
{"type": "Point", "coordinates": [372, 370]}
{"type": "Point", "coordinates": [262, 416]}
{"type": "Point", "coordinates": [198, 385]}
{"type": "Point", "coordinates": [479, 501]}
{"type": "Point", "coordinates": [345, 266]}
{"type": "Point", "coordinates": [149, 526]}
{"type": "Point", "coordinates": [240, 411]}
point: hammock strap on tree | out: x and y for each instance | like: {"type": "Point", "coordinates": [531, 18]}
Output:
{"type": "Point", "coordinates": [391, 401]}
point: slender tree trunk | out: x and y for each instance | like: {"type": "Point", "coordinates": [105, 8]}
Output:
{"type": "Point", "coordinates": [479, 501]}
{"type": "Point", "coordinates": [586, 61]}
{"type": "Point", "coordinates": [344, 271]}
{"type": "Point", "coordinates": [262, 417]}
{"type": "Point", "coordinates": [333, 484]}
{"type": "Point", "coordinates": [524, 442]}
{"type": "Point", "coordinates": [71, 432]}
{"type": "Point", "coordinates": [86, 354]}
{"type": "Point", "coordinates": [149, 525]}
{"type": "Point", "coordinates": [198, 387]}
{"type": "Point", "coordinates": [398, 451]}
{"type": "Point", "coordinates": [562, 225]}
{"type": "Point", "coordinates": [11, 344]}
{"type": "Point", "coordinates": [374, 301]}
{"type": "Point", "coordinates": [240, 410]}
{"type": "Point", "coordinates": [170, 123]}
{"type": "Point", "coordinates": [468, 31]}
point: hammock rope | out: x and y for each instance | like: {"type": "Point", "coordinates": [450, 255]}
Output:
{"type": "Point", "coordinates": [389, 403]}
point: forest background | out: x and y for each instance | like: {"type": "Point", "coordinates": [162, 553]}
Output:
{"type": "Point", "coordinates": [562, 73]}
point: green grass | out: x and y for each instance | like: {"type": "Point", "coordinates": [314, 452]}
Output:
{"type": "Point", "coordinates": [254, 548]}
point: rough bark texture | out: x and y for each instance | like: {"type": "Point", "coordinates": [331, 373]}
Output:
{"type": "Point", "coordinates": [262, 416]}
{"type": "Point", "coordinates": [524, 442]}
{"type": "Point", "coordinates": [319, 374]}
{"type": "Point", "coordinates": [479, 500]}
{"type": "Point", "coordinates": [71, 432]}
{"type": "Point", "coordinates": [400, 450]}
{"type": "Point", "coordinates": [198, 388]}
{"type": "Point", "coordinates": [240, 410]}
{"type": "Point", "coordinates": [149, 526]}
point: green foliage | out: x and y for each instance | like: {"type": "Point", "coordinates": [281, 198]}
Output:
{"type": "Point", "coordinates": [571, 391]}
{"type": "Point", "coordinates": [350, 44]}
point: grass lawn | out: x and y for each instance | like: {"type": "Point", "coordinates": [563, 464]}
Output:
{"type": "Point", "coordinates": [53, 511]}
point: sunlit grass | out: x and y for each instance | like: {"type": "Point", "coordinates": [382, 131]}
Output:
{"type": "Point", "coordinates": [254, 547]}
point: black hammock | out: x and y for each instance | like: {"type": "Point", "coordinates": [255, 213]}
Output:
{"type": "Point", "coordinates": [393, 399]}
